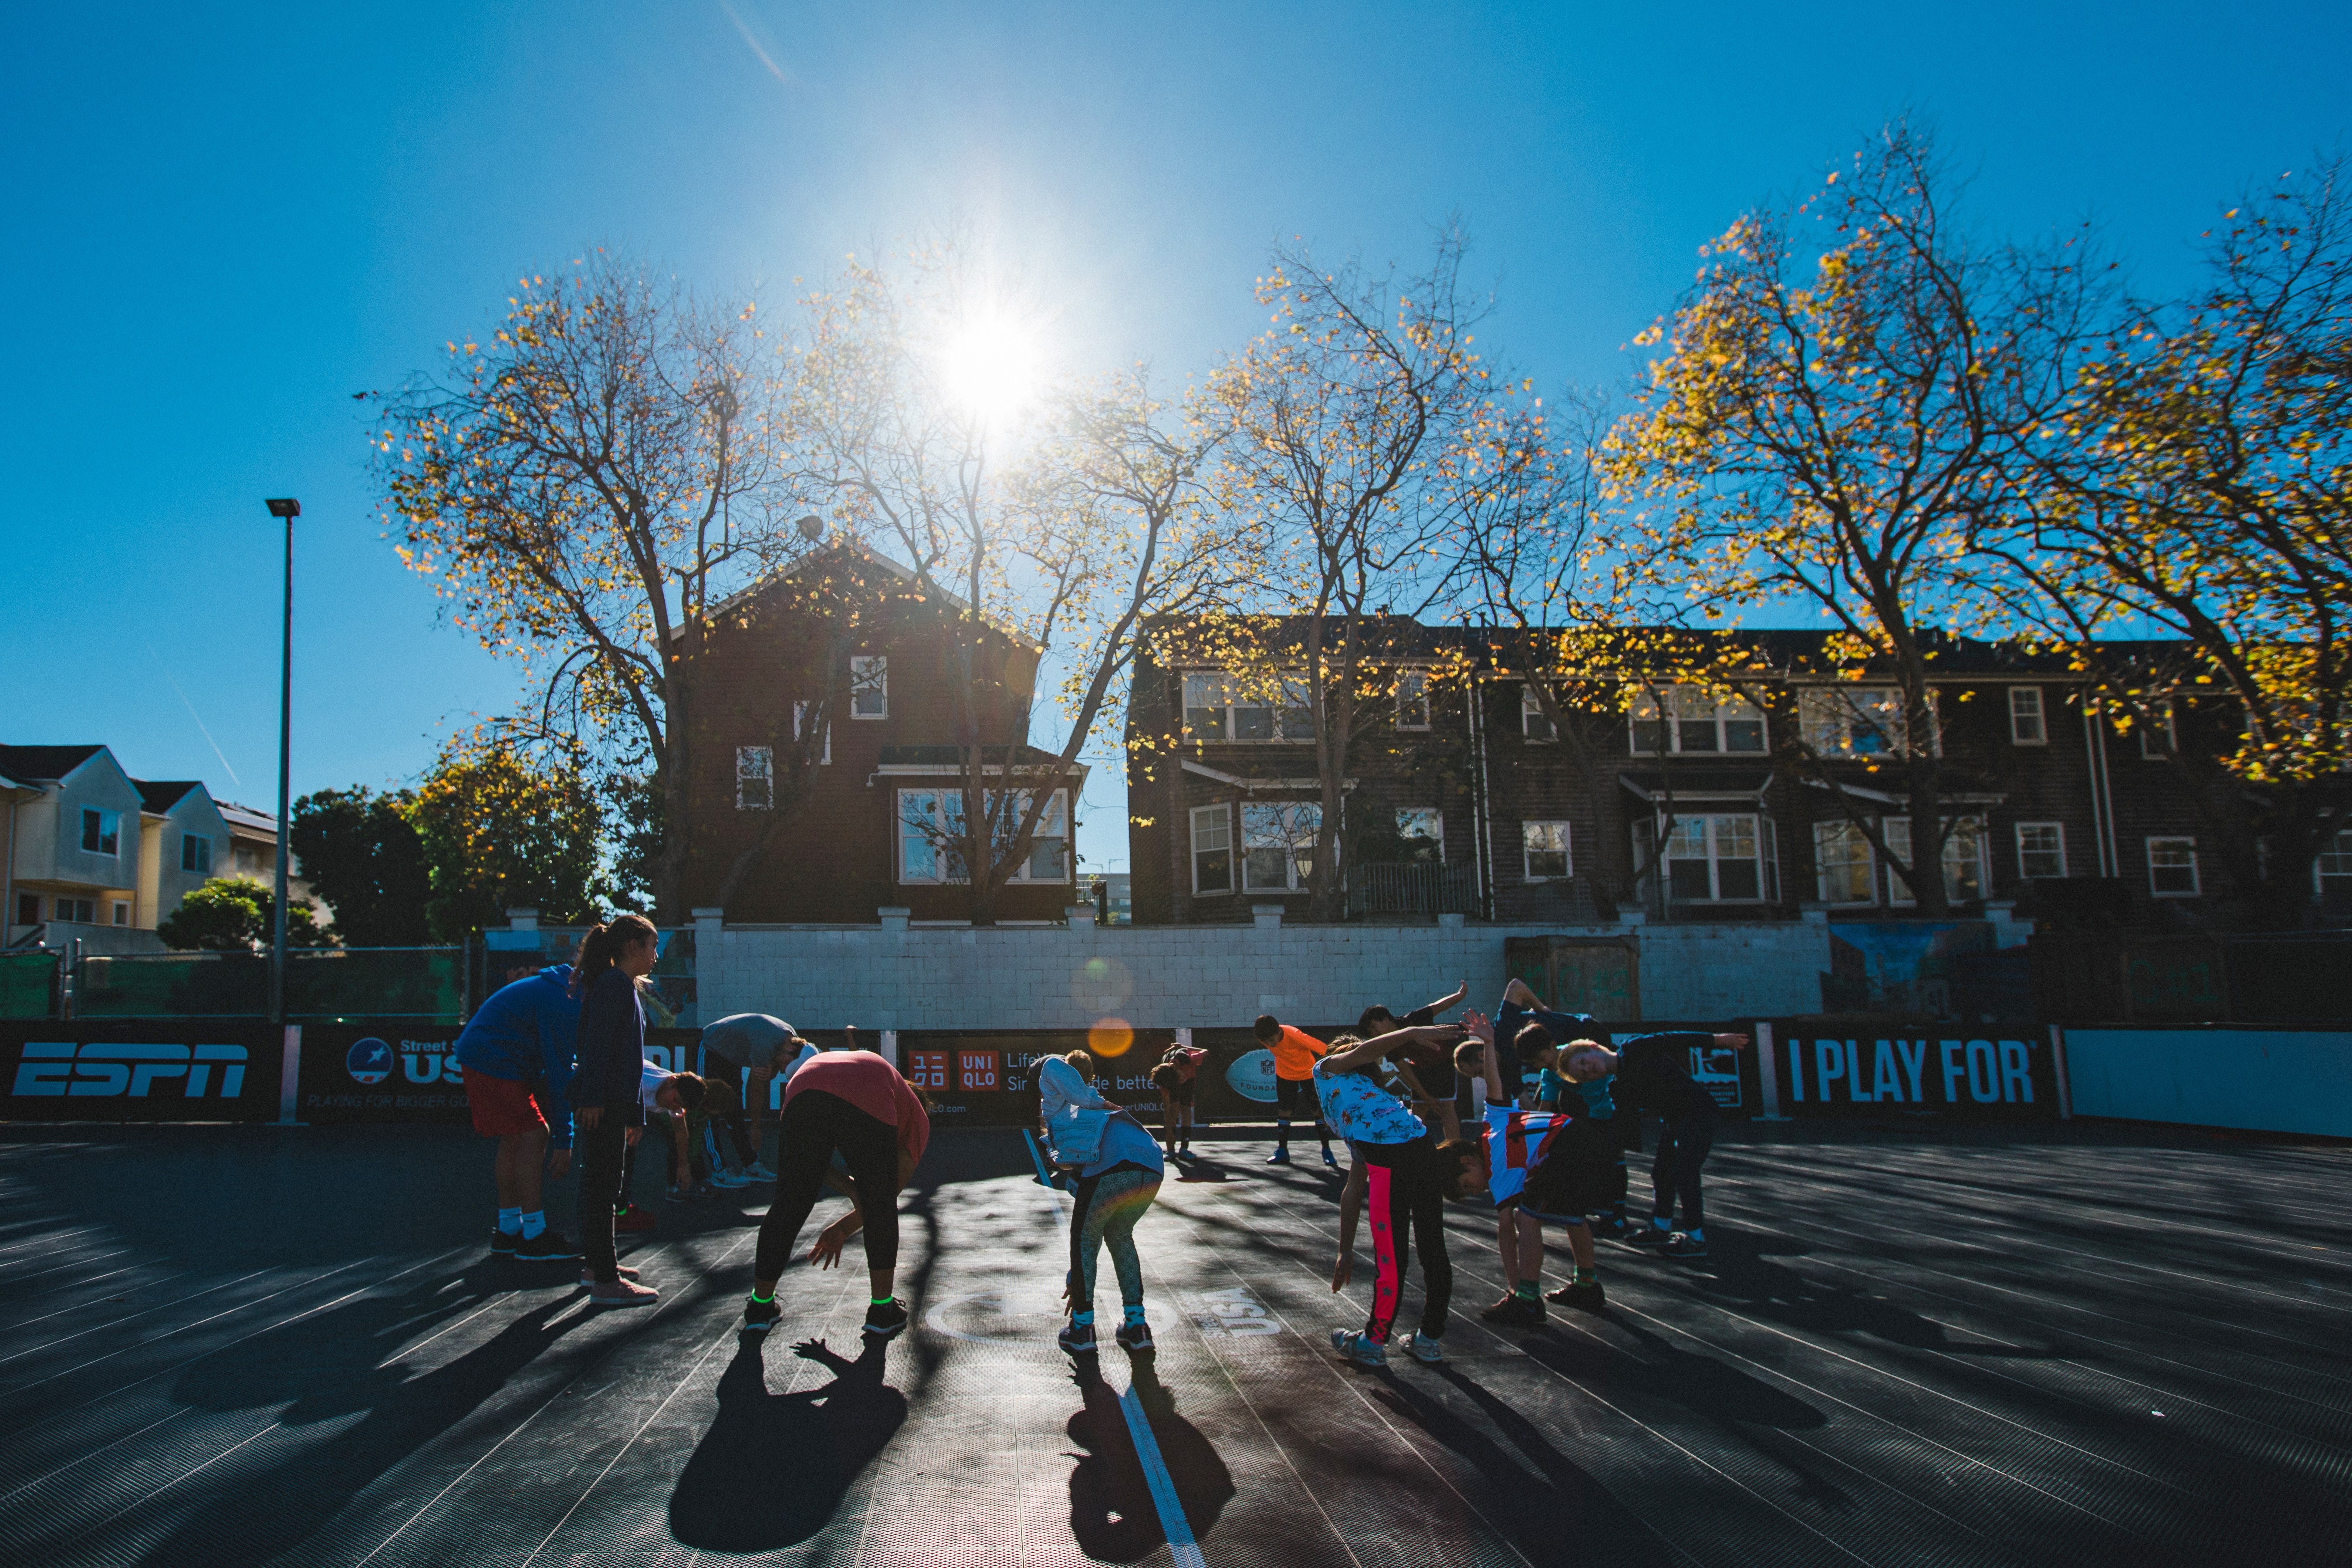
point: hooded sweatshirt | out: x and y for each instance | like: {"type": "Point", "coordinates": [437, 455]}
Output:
{"type": "Point", "coordinates": [527, 1031]}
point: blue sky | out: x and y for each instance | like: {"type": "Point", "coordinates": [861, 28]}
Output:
{"type": "Point", "coordinates": [218, 229]}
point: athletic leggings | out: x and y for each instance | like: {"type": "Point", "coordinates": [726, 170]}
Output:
{"type": "Point", "coordinates": [1683, 1145]}
{"type": "Point", "coordinates": [815, 1125]}
{"type": "Point", "coordinates": [604, 1149]}
{"type": "Point", "coordinates": [1108, 1206]}
{"type": "Point", "coordinates": [1405, 1200]}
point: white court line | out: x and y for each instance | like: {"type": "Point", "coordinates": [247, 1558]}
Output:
{"type": "Point", "coordinates": [1172, 1522]}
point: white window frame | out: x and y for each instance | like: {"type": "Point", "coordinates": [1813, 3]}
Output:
{"type": "Point", "coordinates": [755, 778]}
{"type": "Point", "coordinates": [1288, 814]}
{"type": "Point", "coordinates": [2195, 881]}
{"type": "Point", "coordinates": [189, 851]}
{"type": "Point", "coordinates": [2030, 713]}
{"type": "Point", "coordinates": [869, 677]}
{"type": "Point", "coordinates": [74, 911]}
{"type": "Point", "coordinates": [1765, 860]}
{"type": "Point", "coordinates": [1693, 705]}
{"type": "Point", "coordinates": [119, 911]}
{"type": "Point", "coordinates": [100, 824]}
{"type": "Point", "coordinates": [1828, 716]}
{"type": "Point", "coordinates": [1056, 815]}
{"type": "Point", "coordinates": [1291, 698]}
{"type": "Point", "coordinates": [2334, 859]}
{"type": "Point", "coordinates": [2171, 738]}
{"type": "Point", "coordinates": [947, 811]}
{"type": "Point", "coordinates": [1897, 829]}
{"type": "Point", "coordinates": [2056, 828]}
{"type": "Point", "coordinates": [1219, 820]}
{"type": "Point", "coordinates": [1430, 816]}
{"type": "Point", "coordinates": [1533, 724]}
{"type": "Point", "coordinates": [1847, 836]}
{"type": "Point", "coordinates": [1412, 697]}
{"type": "Point", "coordinates": [1530, 833]}
{"type": "Point", "coordinates": [800, 713]}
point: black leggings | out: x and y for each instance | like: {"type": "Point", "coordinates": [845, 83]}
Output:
{"type": "Point", "coordinates": [1683, 1145]}
{"type": "Point", "coordinates": [815, 1125]}
{"type": "Point", "coordinates": [604, 1151]}
{"type": "Point", "coordinates": [1405, 1200]}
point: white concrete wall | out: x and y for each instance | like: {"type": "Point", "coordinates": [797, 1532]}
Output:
{"type": "Point", "coordinates": [1209, 976]}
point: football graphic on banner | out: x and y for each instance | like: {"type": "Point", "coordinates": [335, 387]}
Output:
{"type": "Point", "coordinates": [369, 1060]}
{"type": "Point", "coordinates": [1252, 1076]}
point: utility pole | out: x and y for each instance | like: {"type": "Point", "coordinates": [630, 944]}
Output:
{"type": "Point", "coordinates": [288, 509]}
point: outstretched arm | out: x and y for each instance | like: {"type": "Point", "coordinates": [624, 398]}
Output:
{"type": "Point", "coordinates": [1480, 1030]}
{"type": "Point", "coordinates": [1348, 1058]}
{"type": "Point", "coordinates": [1447, 1003]}
{"type": "Point", "coordinates": [1351, 1209]}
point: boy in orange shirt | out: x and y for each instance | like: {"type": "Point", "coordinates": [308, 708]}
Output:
{"type": "Point", "coordinates": [1295, 1051]}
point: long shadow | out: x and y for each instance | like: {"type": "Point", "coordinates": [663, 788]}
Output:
{"type": "Point", "coordinates": [1744, 1276]}
{"type": "Point", "coordinates": [1113, 1515]}
{"type": "Point", "coordinates": [774, 1468]}
{"type": "Point", "coordinates": [1701, 1384]}
{"type": "Point", "coordinates": [250, 1517]}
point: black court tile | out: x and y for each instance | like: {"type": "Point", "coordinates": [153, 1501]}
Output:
{"type": "Point", "coordinates": [2079, 1345]}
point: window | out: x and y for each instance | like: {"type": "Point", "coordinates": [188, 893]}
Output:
{"type": "Point", "coordinates": [1544, 848]}
{"type": "Point", "coordinates": [1212, 849]}
{"type": "Point", "coordinates": [1533, 722]}
{"type": "Point", "coordinates": [101, 831]}
{"type": "Point", "coordinates": [1277, 843]}
{"type": "Point", "coordinates": [1219, 707]}
{"type": "Point", "coordinates": [28, 908]}
{"type": "Point", "coordinates": [2041, 849]}
{"type": "Point", "coordinates": [196, 853]}
{"type": "Point", "coordinates": [1694, 722]}
{"type": "Point", "coordinates": [120, 912]}
{"type": "Point", "coordinates": [2159, 737]}
{"type": "Point", "coordinates": [78, 911]}
{"type": "Point", "coordinates": [1423, 828]}
{"type": "Point", "coordinates": [1715, 860]}
{"type": "Point", "coordinates": [931, 832]}
{"type": "Point", "coordinates": [1845, 868]}
{"type": "Point", "coordinates": [2172, 867]}
{"type": "Point", "coordinates": [1857, 720]}
{"type": "Point", "coordinates": [1412, 699]}
{"type": "Point", "coordinates": [755, 778]}
{"type": "Point", "coordinates": [249, 860]}
{"type": "Point", "coordinates": [799, 716]}
{"type": "Point", "coordinates": [2335, 859]}
{"type": "Point", "coordinates": [2025, 725]}
{"type": "Point", "coordinates": [869, 688]}
{"type": "Point", "coordinates": [1964, 860]}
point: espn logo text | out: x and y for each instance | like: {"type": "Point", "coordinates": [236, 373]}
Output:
{"type": "Point", "coordinates": [105, 1068]}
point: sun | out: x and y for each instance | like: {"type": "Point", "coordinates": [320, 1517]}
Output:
{"type": "Point", "coordinates": [988, 368]}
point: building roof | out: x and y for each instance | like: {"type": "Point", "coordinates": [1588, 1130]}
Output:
{"type": "Point", "coordinates": [44, 765]}
{"type": "Point", "coordinates": [864, 553]}
{"type": "Point", "coordinates": [244, 818]}
{"type": "Point", "coordinates": [160, 796]}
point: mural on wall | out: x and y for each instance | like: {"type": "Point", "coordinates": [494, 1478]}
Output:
{"type": "Point", "coordinates": [1898, 966]}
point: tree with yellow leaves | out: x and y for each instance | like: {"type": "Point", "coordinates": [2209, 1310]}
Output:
{"type": "Point", "coordinates": [1848, 388]}
{"type": "Point", "coordinates": [503, 828]}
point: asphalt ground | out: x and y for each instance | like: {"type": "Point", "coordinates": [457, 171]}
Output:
{"type": "Point", "coordinates": [2078, 1346]}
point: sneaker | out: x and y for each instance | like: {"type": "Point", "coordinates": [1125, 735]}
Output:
{"type": "Point", "coordinates": [624, 1270]}
{"type": "Point", "coordinates": [1134, 1336]}
{"type": "Point", "coordinates": [546, 1247]}
{"type": "Point", "coordinates": [1077, 1339]}
{"type": "Point", "coordinates": [1329, 1158]}
{"type": "Point", "coordinates": [1646, 1236]}
{"type": "Point", "coordinates": [1425, 1350]}
{"type": "Point", "coordinates": [758, 1172]}
{"type": "Point", "coordinates": [886, 1319]}
{"type": "Point", "coordinates": [503, 1243]}
{"type": "Point", "coordinates": [730, 1179]}
{"type": "Point", "coordinates": [1683, 1244]}
{"type": "Point", "coordinates": [623, 1293]}
{"type": "Point", "coordinates": [1612, 1228]}
{"type": "Point", "coordinates": [634, 1220]}
{"type": "Point", "coordinates": [1587, 1295]}
{"type": "Point", "coordinates": [759, 1317]}
{"type": "Point", "coordinates": [1281, 1156]}
{"type": "Point", "coordinates": [679, 1195]}
{"type": "Point", "coordinates": [1359, 1347]}
{"type": "Point", "coordinates": [1516, 1312]}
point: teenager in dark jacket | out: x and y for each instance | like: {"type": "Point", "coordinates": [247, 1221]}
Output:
{"type": "Point", "coordinates": [604, 1090]}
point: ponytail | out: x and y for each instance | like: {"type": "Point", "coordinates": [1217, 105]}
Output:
{"type": "Point", "coordinates": [600, 949]}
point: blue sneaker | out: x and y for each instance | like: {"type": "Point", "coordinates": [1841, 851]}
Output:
{"type": "Point", "coordinates": [1425, 1350]}
{"type": "Point", "coordinates": [1359, 1347]}
{"type": "Point", "coordinates": [1329, 1158]}
{"type": "Point", "coordinates": [1281, 1155]}
{"type": "Point", "coordinates": [1077, 1339]}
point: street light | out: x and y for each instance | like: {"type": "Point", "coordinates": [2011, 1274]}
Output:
{"type": "Point", "coordinates": [288, 509]}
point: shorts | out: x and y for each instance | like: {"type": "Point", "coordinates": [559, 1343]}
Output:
{"type": "Point", "coordinates": [1182, 1094]}
{"type": "Point", "coordinates": [1289, 1092]}
{"type": "Point", "coordinates": [502, 1107]}
{"type": "Point", "coordinates": [1581, 1172]}
{"type": "Point", "coordinates": [1439, 1080]}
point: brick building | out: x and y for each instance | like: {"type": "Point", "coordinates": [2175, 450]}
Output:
{"type": "Point", "coordinates": [824, 742]}
{"type": "Point", "coordinates": [1684, 808]}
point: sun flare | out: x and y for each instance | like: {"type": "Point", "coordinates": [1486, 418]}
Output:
{"type": "Point", "coordinates": [988, 368]}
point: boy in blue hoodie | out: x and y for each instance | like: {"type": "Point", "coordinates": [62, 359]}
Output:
{"type": "Point", "coordinates": [516, 1055]}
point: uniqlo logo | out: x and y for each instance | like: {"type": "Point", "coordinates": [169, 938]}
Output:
{"type": "Point", "coordinates": [976, 1069]}
{"type": "Point", "coordinates": [927, 1069]}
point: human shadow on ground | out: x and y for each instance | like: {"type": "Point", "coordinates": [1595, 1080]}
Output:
{"type": "Point", "coordinates": [774, 1467]}
{"type": "Point", "coordinates": [1113, 1515]}
{"type": "Point", "coordinates": [1745, 1275]}
{"type": "Point", "coordinates": [1701, 1384]}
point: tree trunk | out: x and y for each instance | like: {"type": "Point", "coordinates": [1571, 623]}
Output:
{"type": "Point", "coordinates": [1926, 840]}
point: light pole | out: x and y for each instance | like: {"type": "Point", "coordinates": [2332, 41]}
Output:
{"type": "Point", "coordinates": [288, 509]}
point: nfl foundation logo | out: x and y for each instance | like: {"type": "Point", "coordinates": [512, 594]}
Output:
{"type": "Point", "coordinates": [1252, 1077]}
{"type": "Point", "coordinates": [370, 1062]}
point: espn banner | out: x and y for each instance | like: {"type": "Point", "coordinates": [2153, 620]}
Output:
{"type": "Point", "coordinates": [1857, 1067]}
{"type": "Point", "coordinates": [110, 1070]}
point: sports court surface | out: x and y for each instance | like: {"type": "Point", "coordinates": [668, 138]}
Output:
{"type": "Point", "coordinates": [2008, 1346]}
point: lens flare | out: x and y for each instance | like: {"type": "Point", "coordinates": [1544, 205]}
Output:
{"type": "Point", "coordinates": [988, 368]}
{"type": "Point", "coordinates": [1111, 1038]}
